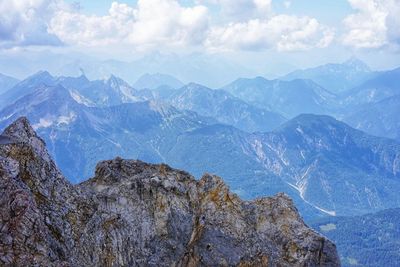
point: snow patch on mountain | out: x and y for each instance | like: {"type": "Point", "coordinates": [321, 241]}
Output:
{"type": "Point", "coordinates": [66, 119]}
{"type": "Point", "coordinates": [127, 93]}
{"type": "Point", "coordinates": [258, 148]}
{"type": "Point", "coordinates": [48, 122]}
{"type": "Point", "coordinates": [81, 99]}
{"type": "Point", "coordinates": [43, 123]}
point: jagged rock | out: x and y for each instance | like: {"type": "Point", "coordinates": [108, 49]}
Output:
{"type": "Point", "coordinates": [136, 214]}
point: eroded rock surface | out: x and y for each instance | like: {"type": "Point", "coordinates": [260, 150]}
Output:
{"type": "Point", "coordinates": [136, 214]}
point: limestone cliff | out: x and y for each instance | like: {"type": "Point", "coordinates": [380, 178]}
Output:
{"type": "Point", "coordinates": [136, 214]}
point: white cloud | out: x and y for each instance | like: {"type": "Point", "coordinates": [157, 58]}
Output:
{"type": "Point", "coordinates": [393, 22]}
{"type": "Point", "coordinates": [151, 22]}
{"type": "Point", "coordinates": [165, 22]}
{"type": "Point", "coordinates": [75, 28]}
{"type": "Point", "coordinates": [242, 10]}
{"type": "Point", "coordinates": [375, 24]}
{"type": "Point", "coordinates": [155, 24]}
{"type": "Point", "coordinates": [282, 32]}
{"type": "Point", "coordinates": [262, 6]}
{"type": "Point", "coordinates": [24, 22]}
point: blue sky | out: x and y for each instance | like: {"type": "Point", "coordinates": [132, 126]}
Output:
{"type": "Point", "coordinates": [323, 9]}
{"type": "Point", "coordinates": [259, 34]}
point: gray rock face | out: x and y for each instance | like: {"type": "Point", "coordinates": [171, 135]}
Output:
{"type": "Point", "coordinates": [136, 214]}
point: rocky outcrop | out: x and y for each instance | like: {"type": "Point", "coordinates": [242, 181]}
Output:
{"type": "Point", "coordinates": [136, 214]}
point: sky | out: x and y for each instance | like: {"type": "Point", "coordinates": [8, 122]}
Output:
{"type": "Point", "coordinates": [266, 37]}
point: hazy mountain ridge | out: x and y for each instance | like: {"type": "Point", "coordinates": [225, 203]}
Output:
{"type": "Point", "coordinates": [154, 81]}
{"type": "Point", "coordinates": [380, 118]}
{"type": "Point", "coordinates": [363, 106]}
{"type": "Point", "coordinates": [337, 77]}
{"type": "Point", "coordinates": [225, 108]}
{"type": "Point", "coordinates": [383, 85]}
{"type": "Point", "coordinates": [107, 92]}
{"type": "Point", "coordinates": [7, 82]}
{"type": "Point", "coordinates": [25, 87]}
{"type": "Point", "coordinates": [289, 98]}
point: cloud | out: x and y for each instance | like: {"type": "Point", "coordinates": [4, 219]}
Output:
{"type": "Point", "coordinates": [282, 32]}
{"type": "Point", "coordinates": [393, 22]}
{"type": "Point", "coordinates": [151, 22]}
{"type": "Point", "coordinates": [75, 28]}
{"type": "Point", "coordinates": [375, 24]}
{"type": "Point", "coordinates": [160, 24]}
{"type": "Point", "coordinates": [242, 10]}
{"type": "Point", "coordinates": [24, 23]}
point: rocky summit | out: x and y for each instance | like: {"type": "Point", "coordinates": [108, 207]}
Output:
{"type": "Point", "coordinates": [136, 214]}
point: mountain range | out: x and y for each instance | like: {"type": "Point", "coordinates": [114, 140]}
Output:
{"type": "Point", "coordinates": [334, 150]}
{"type": "Point", "coordinates": [74, 130]}
{"type": "Point", "coordinates": [290, 98]}
{"type": "Point", "coordinates": [337, 77]}
{"type": "Point", "coordinates": [212, 69]}
{"type": "Point", "coordinates": [309, 157]}
{"type": "Point", "coordinates": [380, 118]}
{"type": "Point", "coordinates": [107, 92]}
{"type": "Point", "coordinates": [224, 107]}
{"type": "Point", "coordinates": [381, 86]}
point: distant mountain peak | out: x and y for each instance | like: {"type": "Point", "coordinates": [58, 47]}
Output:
{"type": "Point", "coordinates": [111, 78]}
{"type": "Point", "coordinates": [193, 85]}
{"type": "Point", "coordinates": [256, 79]}
{"type": "Point", "coordinates": [309, 116]}
{"type": "Point", "coordinates": [115, 81]}
{"type": "Point", "coordinates": [321, 126]}
{"type": "Point", "coordinates": [335, 77]}
{"type": "Point", "coordinates": [260, 78]}
{"type": "Point", "coordinates": [42, 76]}
{"type": "Point", "coordinates": [27, 86]}
{"type": "Point", "coordinates": [357, 64]}
{"type": "Point", "coordinates": [155, 80]}
{"type": "Point", "coordinates": [83, 77]}
{"type": "Point", "coordinates": [311, 119]}
{"type": "Point", "coordinates": [42, 73]}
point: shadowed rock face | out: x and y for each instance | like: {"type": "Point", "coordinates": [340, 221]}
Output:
{"type": "Point", "coordinates": [136, 214]}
